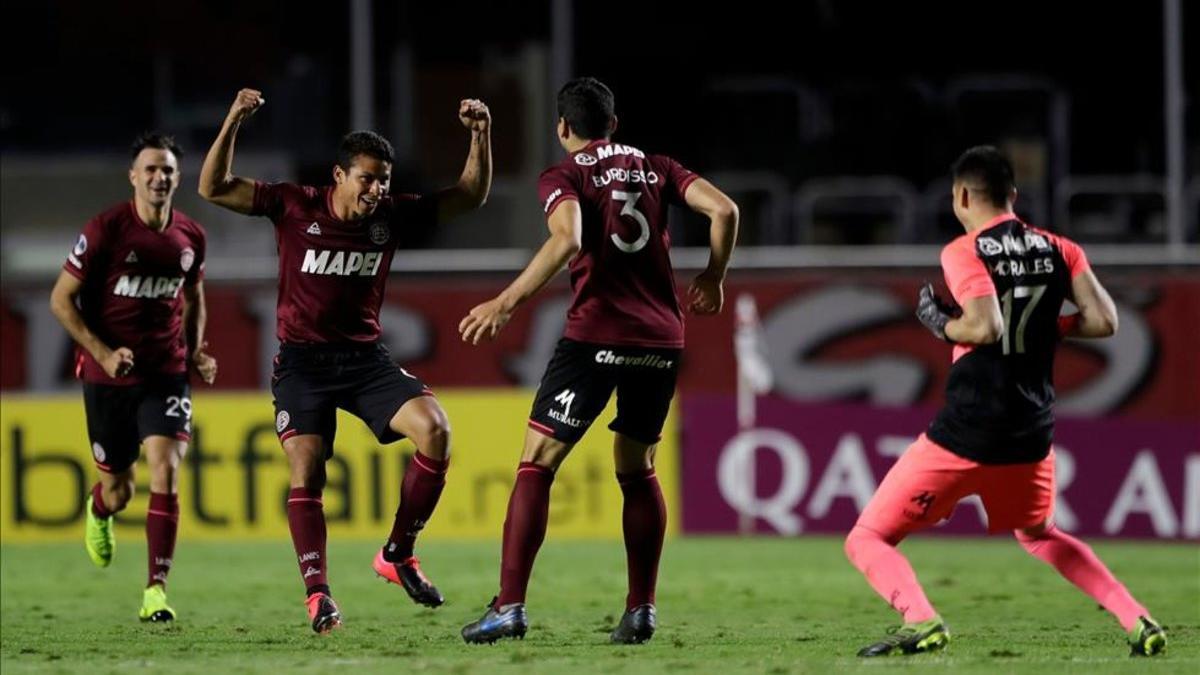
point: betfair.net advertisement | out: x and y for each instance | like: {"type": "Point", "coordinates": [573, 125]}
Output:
{"type": "Point", "coordinates": [234, 479]}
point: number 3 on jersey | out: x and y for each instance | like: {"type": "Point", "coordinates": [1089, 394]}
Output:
{"type": "Point", "coordinates": [630, 198]}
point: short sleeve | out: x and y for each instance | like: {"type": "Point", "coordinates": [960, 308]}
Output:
{"type": "Point", "coordinates": [555, 186]}
{"type": "Point", "coordinates": [678, 178]}
{"type": "Point", "coordinates": [966, 275]}
{"type": "Point", "coordinates": [270, 199]}
{"type": "Point", "coordinates": [1073, 255]}
{"type": "Point", "coordinates": [88, 249]}
{"type": "Point", "coordinates": [195, 272]}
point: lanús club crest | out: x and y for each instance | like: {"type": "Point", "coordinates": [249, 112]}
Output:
{"type": "Point", "coordinates": [282, 420]}
{"type": "Point", "coordinates": [186, 258]}
{"type": "Point", "coordinates": [379, 233]}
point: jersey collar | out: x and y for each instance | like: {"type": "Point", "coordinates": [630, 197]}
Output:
{"type": "Point", "coordinates": [1002, 218]}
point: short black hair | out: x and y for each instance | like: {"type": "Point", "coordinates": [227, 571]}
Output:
{"type": "Point", "coordinates": [587, 105]}
{"type": "Point", "coordinates": [154, 139]}
{"type": "Point", "coordinates": [366, 143]}
{"type": "Point", "coordinates": [986, 165]}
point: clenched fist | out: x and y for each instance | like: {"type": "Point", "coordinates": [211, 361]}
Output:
{"type": "Point", "coordinates": [245, 104]}
{"type": "Point", "coordinates": [474, 114]}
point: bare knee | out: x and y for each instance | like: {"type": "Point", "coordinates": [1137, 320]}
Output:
{"type": "Point", "coordinates": [432, 435]}
{"type": "Point", "coordinates": [631, 456]}
{"type": "Point", "coordinates": [544, 451]}
{"type": "Point", "coordinates": [306, 461]}
{"type": "Point", "coordinates": [164, 460]}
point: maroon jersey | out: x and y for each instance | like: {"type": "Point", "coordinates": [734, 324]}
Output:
{"type": "Point", "coordinates": [132, 280]}
{"type": "Point", "coordinates": [332, 272]}
{"type": "Point", "coordinates": [622, 280]}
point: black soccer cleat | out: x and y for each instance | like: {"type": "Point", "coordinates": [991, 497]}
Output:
{"type": "Point", "coordinates": [323, 612]}
{"type": "Point", "coordinates": [637, 626]}
{"type": "Point", "coordinates": [1147, 638]}
{"type": "Point", "coordinates": [911, 638]}
{"type": "Point", "coordinates": [407, 573]}
{"type": "Point", "coordinates": [508, 621]}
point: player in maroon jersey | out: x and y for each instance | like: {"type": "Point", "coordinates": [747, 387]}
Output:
{"type": "Point", "coordinates": [335, 250]}
{"type": "Point", "coordinates": [131, 295]}
{"type": "Point", "coordinates": [993, 436]}
{"type": "Point", "coordinates": [606, 208]}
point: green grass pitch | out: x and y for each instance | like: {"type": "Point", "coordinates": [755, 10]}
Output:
{"type": "Point", "coordinates": [725, 606]}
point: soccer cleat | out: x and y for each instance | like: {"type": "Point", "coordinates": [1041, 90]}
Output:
{"type": "Point", "coordinates": [508, 621]}
{"type": "Point", "coordinates": [98, 537]}
{"type": "Point", "coordinates": [911, 638]}
{"type": "Point", "coordinates": [1147, 638]}
{"type": "Point", "coordinates": [637, 626]}
{"type": "Point", "coordinates": [407, 573]}
{"type": "Point", "coordinates": [154, 605]}
{"type": "Point", "coordinates": [323, 612]}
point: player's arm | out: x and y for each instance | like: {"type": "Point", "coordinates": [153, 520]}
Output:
{"type": "Point", "coordinates": [471, 190]}
{"type": "Point", "coordinates": [195, 319]}
{"type": "Point", "coordinates": [116, 362]}
{"type": "Point", "coordinates": [706, 295]}
{"type": "Point", "coordinates": [1097, 315]}
{"type": "Point", "coordinates": [981, 322]}
{"type": "Point", "coordinates": [977, 322]}
{"type": "Point", "coordinates": [218, 184]}
{"type": "Point", "coordinates": [566, 226]}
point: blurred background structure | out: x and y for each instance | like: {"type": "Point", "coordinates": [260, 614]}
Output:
{"type": "Point", "coordinates": [833, 125]}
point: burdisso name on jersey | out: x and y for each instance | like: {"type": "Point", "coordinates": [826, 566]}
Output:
{"type": "Point", "coordinates": [341, 263]}
{"type": "Point", "coordinates": [616, 173]}
{"type": "Point", "coordinates": [147, 287]}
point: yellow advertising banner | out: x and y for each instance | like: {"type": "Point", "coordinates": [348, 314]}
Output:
{"type": "Point", "coordinates": [234, 480]}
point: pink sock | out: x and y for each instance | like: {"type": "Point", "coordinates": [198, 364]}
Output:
{"type": "Point", "coordinates": [1078, 564]}
{"type": "Point", "coordinates": [888, 572]}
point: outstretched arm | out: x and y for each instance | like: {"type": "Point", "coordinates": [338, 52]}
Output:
{"type": "Point", "coordinates": [486, 320]}
{"type": "Point", "coordinates": [217, 182]}
{"type": "Point", "coordinates": [706, 295]}
{"type": "Point", "coordinates": [471, 190]}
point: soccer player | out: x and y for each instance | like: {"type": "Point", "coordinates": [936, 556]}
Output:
{"type": "Point", "coordinates": [335, 250]}
{"type": "Point", "coordinates": [131, 295]}
{"type": "Point", "coordinates": [606, 208]}
{"type": "Point", "coordinates": [993, 436]}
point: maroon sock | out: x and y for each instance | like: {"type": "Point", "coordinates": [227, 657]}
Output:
{"type": "Point", "coordinates": [524, 530]}
{"type": "Point", "coordinates": [99, 508]}
{"type": "Point", "coordinates": [306, 520]}
{"type": "Point", "coordinates": [419, 493]}
{"type": "Point", "coordinates": [644, 520]}
{"type": "Point", "coordinates": [162, 522]}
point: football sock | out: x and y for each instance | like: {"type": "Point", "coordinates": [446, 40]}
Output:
{"type": "Point", "coordinates": [423, 482]}
{"type": "Point", "coordinates": [524, 530]}
{"type": "Point", "coordinates": [644, 521]}
{"type": "Point", "coordinates": [162, 522]}
{"type": "Point", "coordinates": [888, 572]}
{"type": "Point", "coordinates": [99, 508]}
{"type": "Point", "coordinates": [1078, 564]}
{"type": "Point", "coordinates": [306, 520]}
